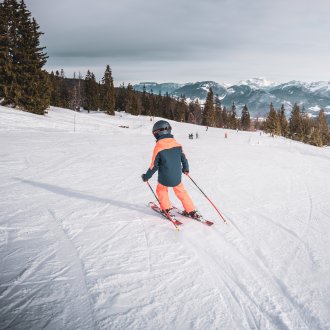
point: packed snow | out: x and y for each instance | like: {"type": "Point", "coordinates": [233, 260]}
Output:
{"type": "Point", "coordinates": [80, 248]}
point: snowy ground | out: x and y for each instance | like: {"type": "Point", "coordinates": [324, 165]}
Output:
{"type": "Point", "coordinates": [79, 248]}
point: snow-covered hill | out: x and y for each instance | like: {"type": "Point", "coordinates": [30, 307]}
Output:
{"type": "Point", "coordinates": [79, 248]}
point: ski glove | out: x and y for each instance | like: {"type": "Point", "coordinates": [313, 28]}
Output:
{"type": "Point", "coordinates": [185, 171]}
{"type": "Point", "coordinates": [144, 178]}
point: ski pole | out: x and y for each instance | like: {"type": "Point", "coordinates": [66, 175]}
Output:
{"type": "Point", "coordinates": [153, 191]}
{"type": "Point", "coordinates": [169, 217]}
{"type": "Point", "coordinates": [224, 220]}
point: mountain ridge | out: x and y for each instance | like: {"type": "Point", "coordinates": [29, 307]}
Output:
{"type": "Point", "coordinates": [256, 93]}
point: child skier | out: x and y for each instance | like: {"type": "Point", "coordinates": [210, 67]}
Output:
{"type": "Point", "coordinates": [170, 161]}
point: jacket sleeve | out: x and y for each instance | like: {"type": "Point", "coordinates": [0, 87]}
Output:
{"type": "Point", "coordinates": [184, 161]}
{"type": "Point", "coordinates": [154, 164]}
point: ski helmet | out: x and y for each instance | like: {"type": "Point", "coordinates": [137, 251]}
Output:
{"type": "Point", "coordinates": [161, 127]}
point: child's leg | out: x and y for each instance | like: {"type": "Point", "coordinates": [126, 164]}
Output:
{"type": "Point", "coordinates": [162, 193]}
{"type": "Point", "coordinates": [185, 199]}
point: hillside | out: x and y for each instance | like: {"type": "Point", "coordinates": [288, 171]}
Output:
{"type": "Point", "coordinates": [80, 248]}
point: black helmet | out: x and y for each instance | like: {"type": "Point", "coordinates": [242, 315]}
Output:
{"type": "Point", "coordinates": [161, 127]}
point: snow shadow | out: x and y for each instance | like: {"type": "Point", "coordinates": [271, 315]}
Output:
{"type": "Point", "coordinates": [80, 195]}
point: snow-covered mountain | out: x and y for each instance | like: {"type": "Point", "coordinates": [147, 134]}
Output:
{"type": "Point", "coordinates": [199, 90]}
{"type": "Point", "coordinates": [189, 90]}
{"type": "Point", "coordinates": [80, 248]}
{"type": "Point", "coordinates": [258, 83]}
{"type": "Point", "coordinates": [257, 93]}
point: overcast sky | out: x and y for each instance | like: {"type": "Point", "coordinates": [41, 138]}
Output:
{"type": "Point", "coordinates": [187, 40]}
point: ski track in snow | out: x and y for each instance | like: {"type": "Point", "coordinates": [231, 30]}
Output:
{"type": "Point", "coordinates": [80, 249]}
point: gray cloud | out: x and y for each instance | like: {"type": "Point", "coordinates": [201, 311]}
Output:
{"type": "Point", "coordinates": [187, 40]}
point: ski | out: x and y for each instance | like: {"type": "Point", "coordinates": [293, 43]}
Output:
{"type": "Point", "coordinates": [172, 218]}
{"type": "Point", "coordinates": [201, 220]}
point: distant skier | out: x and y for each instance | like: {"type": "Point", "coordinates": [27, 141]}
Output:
{"type": "Point", "coordinates": [170, 161]}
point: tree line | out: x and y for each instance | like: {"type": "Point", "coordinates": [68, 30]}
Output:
{"type": "Point", "coordinates": [84, 92]}
{"type": "Point", "coordinates": [177, 108]}
{"type": "Point", "coordinates": [299, 127]}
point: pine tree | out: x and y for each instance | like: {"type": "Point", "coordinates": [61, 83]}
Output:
{"type": "Point", "coordinates": [74, 93]}
{"type": "Point", "coordinates": [225, 117]}
{"type": "Point", "coordinates": [284, 125]}
{"type": "Point", "coordinates": [134, 108]}
{"type": "Point", "coordinates": [162, 106]}
{"type": "Point", "coordinates": [5, 60]}
{"type": "Point", "coordinates": [180, 112]}
{"type": "Point", "coordinates": [307, 126]}
{"type": "Point", "coordinates": [152, 104]}
{"type": "Point", "coordinates": [256, 123]}
{"type": "Point", "coordinates": [218, 113]}
{"type": "Point", "coordinates": [34, 84]}
{"type": "Point", "coordinates": [136, 104]}
{"type": "Point", "coordinates": [8, 37]}
{"type": "Point", "coordinates": [166, 106]}
{"type": "Point", "coordinates": [52, 83]}
{"type": "Point", "coordinates": [79, 95]}
{"type": "Point", "coordinates": [231, 118]}
{"type": "Point", "coordinates": [208, 113]}
{"type": "Point", "coordinates": [129, 99]}
{"type": "Point", "coordinates": [91, 92]}
{"type": "Point", "coordinates": [56, 83]}
{"type": "Point", "coordinates": [198, 114]}
{"type": "Point", "coordinates": [158, 104]}
{"type": "Point", "coordinates": [145, 102]}
{"type": "Point", "coordinates": [25, 83]}
{"type": "Point", "coordinates": [87, 88]}
{"type": "Point", "coordinates": [295, 123]}
{"type": "Point", "coordinates": [245, 118]}
{"type": "Point", "coordinates": [120, 97]}
{"type": "Point", "coordinates": [108, 100]}
{"type": "Point", "coordinates": [322, 127]}
{"type": "Point", "coordinates": [315, 138]}
{"type": "Point", "coordinates": [64, 92]}
{"type": "Point", "coordinates": [272, 124]}
{"type": "Point", "coordinates": [194, 113]}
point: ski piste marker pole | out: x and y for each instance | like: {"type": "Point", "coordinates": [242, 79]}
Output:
{"type": "Point", "coordinates": [169, 217]}
{"type": "Point", "coordinates": [223, 219]}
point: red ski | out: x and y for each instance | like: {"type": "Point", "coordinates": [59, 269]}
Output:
{"type": "Point", "coordinates": [171, 217]}
{"type": "Point", "coordinates": [200, 219]}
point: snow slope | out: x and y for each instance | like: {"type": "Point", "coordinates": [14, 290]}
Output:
{"type": "Point", "coordinates": [79, 248]}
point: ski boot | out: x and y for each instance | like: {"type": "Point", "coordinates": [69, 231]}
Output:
{"type": "Point", "coordinates": [168, 211]}
{"type": "Point", "coordinates": [193, 214]}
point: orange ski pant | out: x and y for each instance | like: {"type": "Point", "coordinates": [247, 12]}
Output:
{"type": "Point", "coordinates": [180, 192]}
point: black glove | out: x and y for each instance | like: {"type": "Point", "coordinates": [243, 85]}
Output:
{"type": "Point", "coordinates": [144, 178]}
{"type": "Point", "coordinates": [184, 171]}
